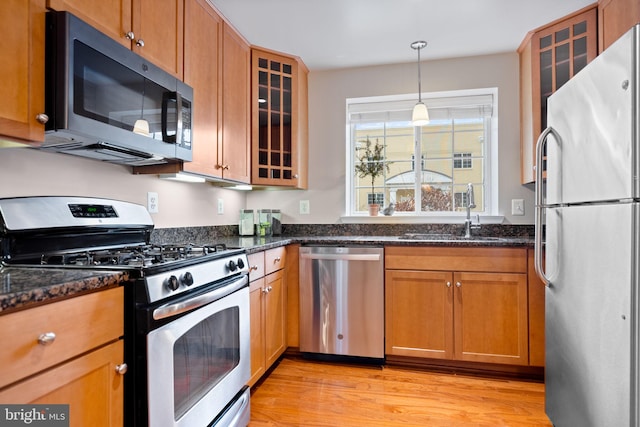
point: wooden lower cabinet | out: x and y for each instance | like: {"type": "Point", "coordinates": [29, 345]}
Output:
{"type": "Point", "coordinates": [67, 352]}
{"type": "Point", "coordinates": [90, 385]}
{"type": "Point", "coordinates": [268, 310]}
{"type": "Point", "coordinates": [478, 315]}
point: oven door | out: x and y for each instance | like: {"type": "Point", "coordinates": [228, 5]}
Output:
{"type": "Point", "coordinates": [197, 364]}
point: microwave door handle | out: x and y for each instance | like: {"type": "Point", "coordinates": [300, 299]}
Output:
{"type": "Point", "coordinates": [166, 97]}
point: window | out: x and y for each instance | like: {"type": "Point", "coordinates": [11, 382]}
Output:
{"type": "Point", "coordinates": [454, 149]}
{"type": "Point", "coordinates": [462, 161]}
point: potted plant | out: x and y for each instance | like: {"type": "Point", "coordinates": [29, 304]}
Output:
{"type": "Point", "coordinates": [370, 164]}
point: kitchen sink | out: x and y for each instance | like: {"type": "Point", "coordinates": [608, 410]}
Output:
{"type": "Point", "coordinates": [435, 236]}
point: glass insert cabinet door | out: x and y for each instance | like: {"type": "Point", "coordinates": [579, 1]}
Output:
{"type": "Point", "coordinates": [274, 157]}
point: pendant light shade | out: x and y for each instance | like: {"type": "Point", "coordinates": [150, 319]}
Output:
{"type": "Point", "coordinates": [420, 116]}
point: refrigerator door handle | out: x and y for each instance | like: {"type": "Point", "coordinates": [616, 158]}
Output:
{"type": "Point", "coordinates": [540, 200]}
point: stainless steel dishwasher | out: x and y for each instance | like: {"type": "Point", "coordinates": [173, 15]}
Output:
{"type": "Point", "coordinates": [342, 301]}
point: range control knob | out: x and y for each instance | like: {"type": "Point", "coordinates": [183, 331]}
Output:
{"type": "Point", "coordinates": [240, 263]}
{"type": "Point", "coordinates": [172, 283]}
{"type": "Point", "coordinates": [232, 265]}
{"type": "Point", "coordinates": [187, 279]}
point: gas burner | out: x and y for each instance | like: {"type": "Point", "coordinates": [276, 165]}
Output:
{"type": "Point", "coordinates": [135, 256]}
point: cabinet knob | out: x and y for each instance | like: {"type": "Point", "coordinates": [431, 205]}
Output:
{"type": "Point", "coordinates": [129, 35]}
{"type": "Point", "coordinates": [122, 368]}
{"type": "Point", "coordinates": [46, 338]}
{"type": "Point", "coordinates": [42, 118]}
{"type": "Point", "coordinates": [267, 289]}
{"type": "Point", "coordinates": [253, 268]}
{"type": "Point", "coordinates": [448, 284]}
{"type": "Point", "coordinates": [458, 284]}
{"type": "Point", "coordinates": [140, 43]}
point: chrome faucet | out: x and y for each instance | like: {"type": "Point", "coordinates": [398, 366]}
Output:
{"type": "Point", "coordinates": [471, 203]}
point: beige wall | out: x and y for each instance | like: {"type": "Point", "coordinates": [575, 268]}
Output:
{"type": "Point", "coordinates": [328, 91]}
{"type": "Point", "coordinates": [26, 172]}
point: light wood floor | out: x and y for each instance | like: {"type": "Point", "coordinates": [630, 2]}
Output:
{"type": "Point", "coordinates": [305, 393]}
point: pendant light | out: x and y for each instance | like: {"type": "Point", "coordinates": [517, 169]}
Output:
{"type": "Point", "coordinates": [420, 116]}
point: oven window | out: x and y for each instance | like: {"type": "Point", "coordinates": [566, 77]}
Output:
{"type": "Point", "coordinates": [203, 356]}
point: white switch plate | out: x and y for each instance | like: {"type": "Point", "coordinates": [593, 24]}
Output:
{"type": "Point", "coordinates": [517, 207]}
{"type": "Point", "coordinates": [304, 207]}
{"type": "Point", "coordinates": [152, 202]}
{"type": "Point", "coordinates": [220, 206]}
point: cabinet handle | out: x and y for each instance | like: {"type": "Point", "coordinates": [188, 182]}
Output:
{"type": "Point", "coordinates": [42, 118]}
{"type": "Point", "coordinates": [46, 338]}
{"type": "Point", "coordinates": [448, 284]}
{"type": "Point", "coordinates": [223, 167]}
{"type": "Point", "coordinates": [458, 284]}
{"type": "Point", "coordinates": [276, 260]}
{"type": "Point", "coordinates": [129, 35]}
{"type": "Point", "coordinates": [122, 368]}
{"type": "Point", "coordinates": [140, 43]}
{"type": "Point", "coordinates": [267, 289]}
{"type": "Point", "coordinates": [253, 268]}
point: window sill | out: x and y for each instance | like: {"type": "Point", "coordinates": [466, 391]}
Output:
{"type": "Point", "coordinates": [401, 219]}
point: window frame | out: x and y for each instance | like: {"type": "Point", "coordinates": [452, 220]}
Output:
{"type": "Point", "coordinates": [490, 172]}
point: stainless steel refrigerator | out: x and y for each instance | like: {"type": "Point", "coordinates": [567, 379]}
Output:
{"type": "Point", "coordinates": [590, 203]}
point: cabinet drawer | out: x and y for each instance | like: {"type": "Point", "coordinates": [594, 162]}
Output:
{"type": "Point", "coordinates": [274, 259]}
{"type": "Point", "coordinates": [79, 324]}
{"type": "Point", "coordinates": [506, 260]}
{"type": "Point", "coordinates": [256, 265]}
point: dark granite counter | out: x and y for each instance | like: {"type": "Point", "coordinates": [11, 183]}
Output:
{"type": "Point", "coordinates": [24, 287]}
{"type": "Point", "coordinates": [256, 244]}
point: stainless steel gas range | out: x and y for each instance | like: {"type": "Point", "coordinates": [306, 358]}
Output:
{"type": "Point", "coordinates": [187, 338]}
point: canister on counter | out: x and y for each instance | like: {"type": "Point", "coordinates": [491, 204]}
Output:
{"type": "Point", "coordinates": [246, 222]}
{"type": "Point", "coordinates": [276, 222]}
{"type": "Point", "coordinates": [263, 226]}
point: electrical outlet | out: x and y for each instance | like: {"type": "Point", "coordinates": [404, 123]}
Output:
{"type": "Point", "coordinates": [220, 206]}
{"type": "Point", "coordinates": [152, 202]}
{"type": "Point", "coordinates": [304, 207]}
{"type": "Point", "coordinates": [517, 207]}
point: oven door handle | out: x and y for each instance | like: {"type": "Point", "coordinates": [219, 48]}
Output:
{"type": "Point", "coordinates": [174, 309]}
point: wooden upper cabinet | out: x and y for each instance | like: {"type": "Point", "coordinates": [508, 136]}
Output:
{"type": "Point", "coordinates": [234, 149]}
{"type": "Point", "coordinates": [22, 70]}
{"type": "Point", "coordinates": [152, 28]}
{"type": "Point", "coordinates": [549, 57]}
{"type": "Point", "coordinates": [201, 72]}
{"type": "Point", "coordinates": [615, 17]}
{"type": "Point", "coordinates": [279, 120]}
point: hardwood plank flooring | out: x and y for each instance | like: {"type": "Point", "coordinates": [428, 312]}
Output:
{"type": "Point", "coordinates": [307, 393]}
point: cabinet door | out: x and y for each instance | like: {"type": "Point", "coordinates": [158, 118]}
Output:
{"type": "Point", "coordinates": [419, 313]}
{"type": "Point", "coordinates": [22, 70]}
{"type": "Point", "coordinates": [275, 340]}
{"type": "Point", "coordinates": [277, 122]}
{"type": "Point", "coordinates": [491, 318]}
{"type": "Point", "coordinates": [90, 385]}
{"type": "Point", "coordinates": [158, 26]}
{"type": "Point", "coordinates": [112, 17]}
{"type": "Point", "coordinates": [201, 71]}
{"type": "Point", "coordinates": [235, 143]}
{"type": "Point", "coordinates": [548, 59]}
{"type": "Point", "coordinates": [258, 365]}
{"type": "Point", "coordinates": [615, 18]}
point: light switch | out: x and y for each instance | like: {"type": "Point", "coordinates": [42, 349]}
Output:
{"type": "Point", "coordinates": [517, 207]}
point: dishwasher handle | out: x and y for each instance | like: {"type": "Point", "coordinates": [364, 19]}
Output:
{"type": "Point", "coordinates": [343, 257]}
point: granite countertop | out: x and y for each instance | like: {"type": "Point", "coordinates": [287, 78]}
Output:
{"type": "Point", "coordinates": [26, 287]}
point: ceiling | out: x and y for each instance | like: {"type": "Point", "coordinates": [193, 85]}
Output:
{"type": "Point", "coordinates": [329, 34]}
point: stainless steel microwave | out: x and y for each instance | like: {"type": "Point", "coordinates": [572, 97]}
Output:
{"type": "Point", "coordinates": [108, 103]}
